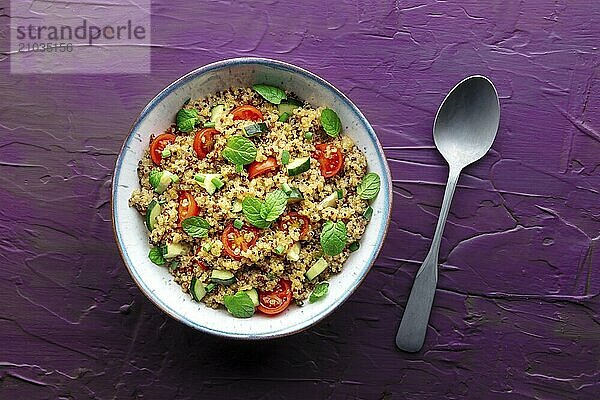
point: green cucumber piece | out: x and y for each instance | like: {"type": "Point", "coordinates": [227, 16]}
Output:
{"type": "Point", "coordinates": [197, 289]}
{"type": "Point", "coordinates": [293, 253]}
{"type": "Point", "coordinates": [288, 106]}
{"type": "Point", "coordinates": [209, 124]}
{"type": "Point", "coordinates": [160, 180]}
{"type": "Point", "coordinates": [256, 129]}
{"type": "Point", "coordinates": [152, 212]}
{"type": "Point", "coordinates": [216, 112]}
{"type": "Point", "coordinates": [295, 195]}
{"type": "Point", "coordinates": [330, 201]}
{"type": "Point", "coordinates": [174, 250]}
{"type": "Point", "coordinates": [368, 213]}
{"type": "Point", "coordinates": [280, 249]}
{"type": "Point", "coordinates": [236, 207]}
{"type": "Point", "coordinates": [319, 266]}
{"type": "Point", "coordinates": [222, 277]}
{"type": "Point", "coordinates": [298, 166]}
{"type": "Point", "coordinates": [253, 294]}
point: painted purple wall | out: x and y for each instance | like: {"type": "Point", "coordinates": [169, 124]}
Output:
{"type": "Point", "coordinates": [516, 315]}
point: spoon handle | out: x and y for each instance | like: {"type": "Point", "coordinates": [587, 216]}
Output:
{"type": "Point", "coordinates": [413, 327]}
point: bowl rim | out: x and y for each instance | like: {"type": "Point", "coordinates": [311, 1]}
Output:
{"type": "Point", "coordinates": [215, 66]}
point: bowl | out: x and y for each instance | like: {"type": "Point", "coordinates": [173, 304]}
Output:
{"type": "Point", "coordinates": [131, 234]}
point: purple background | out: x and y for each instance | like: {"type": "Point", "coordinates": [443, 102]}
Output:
{"type": "Point", "coordinates": [516, 315]}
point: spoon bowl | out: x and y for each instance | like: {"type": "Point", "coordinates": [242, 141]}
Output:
{"type": "Point", "coordinates": [467, 121]}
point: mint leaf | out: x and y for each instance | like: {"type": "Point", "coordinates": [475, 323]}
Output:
{"type": "Point", "coordinates": [270, 93]}
{"type": "Point", "coordinates": [368, 188]}
{"type": "Point", "coordinates": [251, 210]}
{"type": "Point", "coordinates": [331, 122]}
{"type": "Point", "coordinates": [239, 305]}
{"type": "Point", "coordinates": [333, 238]}
{"type": "Point", "coordinates": [186, 119]}
{"type": "Point", "coordinates": [320, 291]}
{"type": "Point", "coordinates": [274, 205]}
{"type": "Point", "coordinates": [195, 227]}
{"type": "Point", "coordinates": [239, 150]}
{"type": "Point", "coordinates": [156, 256]}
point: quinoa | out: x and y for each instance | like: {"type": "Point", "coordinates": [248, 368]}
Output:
{"type": "Point", "coordinates": [260, 266]}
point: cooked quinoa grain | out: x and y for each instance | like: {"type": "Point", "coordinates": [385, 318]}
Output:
{"type": "Point", "coordinates": [258, 258]}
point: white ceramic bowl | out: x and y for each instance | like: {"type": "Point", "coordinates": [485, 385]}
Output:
{"type": "Point", "coordinates": [131, 234]}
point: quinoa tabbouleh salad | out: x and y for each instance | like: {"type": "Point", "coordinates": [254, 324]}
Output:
{"type": "Point", "coordinates": [253, 198]}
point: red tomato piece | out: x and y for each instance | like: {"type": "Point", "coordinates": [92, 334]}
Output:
{"type": "Point", "coordinates": [257, 168]}
{"type": "Point", "coordinates": [276, 300]}
{"type": "Point", "coordinates": [158, 145]}
{"type": "Point", "coordinates": [330, 157]}
{"type": "Point", "coordinates": [295, 220]}
{"type": "Point", "coordinates": [247, 112]}
{"type": "Point", "coordinates": [187, 206]}
{"type": "Point", "coordinates": [234, 240]}
{"type": "Point", "coordinates": [204, 141]}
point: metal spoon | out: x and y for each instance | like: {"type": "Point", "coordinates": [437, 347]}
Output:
{"type": "Point", "coordinates": [464, 130]}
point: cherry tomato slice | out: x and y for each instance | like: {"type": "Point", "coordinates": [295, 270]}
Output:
{"type": "Point", "coordinates": [187, 206]}
{"type": "Point", "coordinates": [158, 145]}
{"type": "Point", "coordinates": [204, 141]}
{"type": "Point", "coordinates": [330, 157]}
{"type": "Point", "coordinates": [276, 300]}
{"type": "Point", "coordinates": [257, 168]}
{"type": "Point", "coordinates": [295, 220]}
{"type": "Point", "coordinates": [247, 112]}
{"type": "Point", "coordinates": [234, 241]}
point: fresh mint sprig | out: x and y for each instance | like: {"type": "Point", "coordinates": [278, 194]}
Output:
{"type": "Point", "coordinates": [270, 93]}
{"type": "Point", "coordinates": [331, 122]}
{"type": "Point", "coordinates": [333, 237]}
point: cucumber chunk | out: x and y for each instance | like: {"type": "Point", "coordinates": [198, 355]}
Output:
{"type": "Point", "coordinates": [295, 195]}
{"type": "Point", "coordinates": [222, 277]}
{"type": "Point", "coordinates": [174, 250]}
{"type": "Point", "coordinates": [160, 180]}
{"type": "Point", "coordinates": [236, 206]}
{"type": "Point", "coordinates": [293, 253]}
{"type": "Point", "coordinates": [256, 129]}
{"type": "Point", "coordinates": [316, 269]}
{"type": "Point", "coordinates": [330, 201]}
{"type": "Point", "coordinates": [216, 112]}
{"type": "Point", "coordinates": [368, 213]}
{"type": "Point", "coordinates": [298, 166]}
{"type": "Point", "coordinates": [288, 106]}
{"type": "Point", "coordinates": [197, 289]}
{"type": "Point", "coordinates": [152, 212]}
{"type": "Point", "coordinates": [253, 294]}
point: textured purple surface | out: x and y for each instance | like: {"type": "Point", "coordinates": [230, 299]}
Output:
{"type": "Point", "coordinates": [516, 315]}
